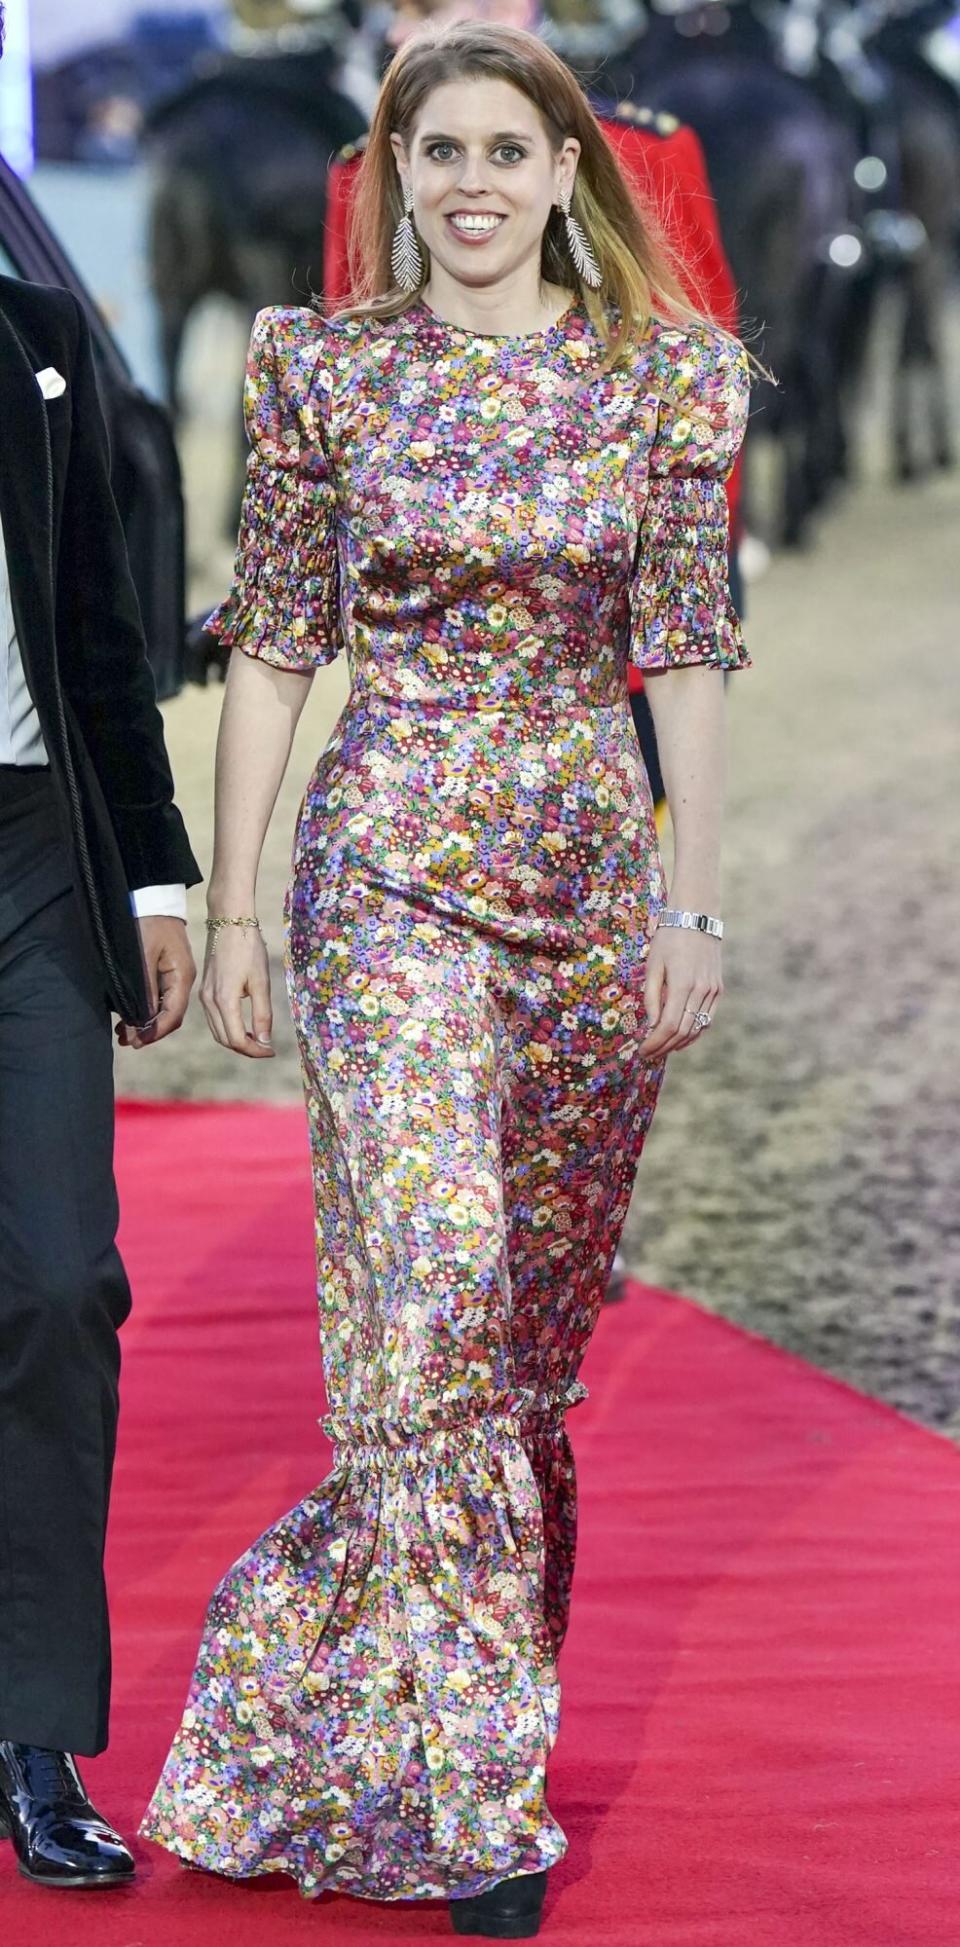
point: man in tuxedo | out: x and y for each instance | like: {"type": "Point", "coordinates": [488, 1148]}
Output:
{"type": "Point", "coordinates": [94, 863]}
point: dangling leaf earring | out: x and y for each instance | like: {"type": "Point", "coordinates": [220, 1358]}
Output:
{"type": "Point", "coordinates": [406, 262]}
{"type": "Point", "coordinates": [584, 261]}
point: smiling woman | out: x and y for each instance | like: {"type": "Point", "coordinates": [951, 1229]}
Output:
{"type": "Point", "coordinates": [496, 481]}
{"type": "Point", "coordinates": [486, 150]}
{"type": "Point", "coordinates": [482, 200]}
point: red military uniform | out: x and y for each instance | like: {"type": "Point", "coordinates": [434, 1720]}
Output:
{"type": "Point", "coordinates": [665, 163]}
{"type": "Point", "coordinates": [341, 182]}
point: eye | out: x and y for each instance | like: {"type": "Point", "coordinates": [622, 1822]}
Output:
{"type": "Point", "coordinates": [509, 152]}
{"type": "Point", "coordinates": [440, 151]}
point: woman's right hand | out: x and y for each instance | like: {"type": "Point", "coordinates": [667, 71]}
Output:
{"type": "Point", "coordinates": [236, 970]}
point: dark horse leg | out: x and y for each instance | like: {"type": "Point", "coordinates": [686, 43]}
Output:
{"type": "Point", "coordinates": [930, 169]}
{"type": "Point", "coordinates": [904, 462]}
{"type": "Point", "coordinates": [172, 324]}
{"type": "Point", "coordinates": [939, 402]}
{"type": "Point", "coordinates": [186, 256]}
{"type": "Point", "coordinates": [921, 432]}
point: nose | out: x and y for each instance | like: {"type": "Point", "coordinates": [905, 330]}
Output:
{"type": "Point", "coordinates": [473, 176]}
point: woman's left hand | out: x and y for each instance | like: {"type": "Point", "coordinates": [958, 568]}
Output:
{"type": "Point", "coordinates": [683, 979]}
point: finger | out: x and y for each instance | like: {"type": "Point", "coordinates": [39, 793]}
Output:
{"type": "Point", "coordinates": [214, 1018]}
{"type": "Point", "coordinates": [653, 993]}
{"type": "Point", "coordinates": [261, 1008]}
{"type": "Point", "coordinates": [153, 987]}
{"type": "Point", "coordinates": [239, 1037]}
{"type": "Point", "coordinates": [702, 1004]}
{"type": "Point", "coordinates": [668, 1029]}
{"type": "Point", "coordinates": [673, 1033]}
{"type": "Point", "coordinates": [131, 1037]}
{"type": "Point", "coordinates": [689, 1030]}
{"type": "Point", "coordinates": [174, 995]}
{"type": "Point", "coordinates": [133, 1040]}
{"type": "Point", "coordinates": [705, 1004]}
{"type": "Point", "coordinates": [687, 1040]}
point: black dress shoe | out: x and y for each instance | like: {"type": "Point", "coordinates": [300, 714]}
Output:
{"type": "Point", "coordinates": [508, 1911]}
{"type": "Point", "coordinates": [58, 1837]}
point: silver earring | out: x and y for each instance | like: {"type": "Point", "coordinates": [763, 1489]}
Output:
{"type": "Point", "coordinates": [406, 262]}
{"type": "Point", "coordinates": [584, 261]}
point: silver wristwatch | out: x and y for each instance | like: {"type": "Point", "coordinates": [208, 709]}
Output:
{"type": "Point", "coordinates": [691, 922]}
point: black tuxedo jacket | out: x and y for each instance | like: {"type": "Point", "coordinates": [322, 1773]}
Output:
{"type": "Point", "coordinates": [79, 629]}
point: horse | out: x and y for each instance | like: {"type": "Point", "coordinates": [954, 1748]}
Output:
{"type": "Point", "coordinates": [926, 111]}
{"type": "Point", "coordinates": [782, 171]}
{"type": "Point", "coordinates": [239, 163]}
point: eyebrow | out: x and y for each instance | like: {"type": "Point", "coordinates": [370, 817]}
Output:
{"type": "Point", "coordinates": [503, 135]}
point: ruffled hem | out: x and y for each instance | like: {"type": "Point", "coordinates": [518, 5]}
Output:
{"type": "Point", "coordinates": [449, 1884]}
{"type": "Point", "coordinates": [513, 1415]}
{"type": "Point", "coordinates": [376, 1694]}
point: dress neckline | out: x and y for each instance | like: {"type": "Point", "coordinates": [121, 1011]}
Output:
{"type": "Point", "coordinates": [559, 325]}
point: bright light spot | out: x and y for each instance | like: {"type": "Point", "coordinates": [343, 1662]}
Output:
{"type": "Point", "coordinates": [845, 251]}
{"type": "Point", "coordinates": [870, 173]}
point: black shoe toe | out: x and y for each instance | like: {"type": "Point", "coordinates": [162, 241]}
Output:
{"type": "Point", "coordinates": [78, 1853]}
{"type": "Point", "coordinates": [59, 1837]}
{"type": "Point", "coordinates": [511, 1910]}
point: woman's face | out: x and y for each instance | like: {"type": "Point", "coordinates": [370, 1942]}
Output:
{"type": "Point", "coordinates": [484, 178]}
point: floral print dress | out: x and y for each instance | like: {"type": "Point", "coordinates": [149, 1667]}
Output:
{"type": "Point", "coordinates": [491, 526]}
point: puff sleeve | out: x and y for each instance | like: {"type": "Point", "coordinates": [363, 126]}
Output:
{"type": "Point", "coordinates": [283, 606]}
{"type": "Point", "coordinates": [680, 607]}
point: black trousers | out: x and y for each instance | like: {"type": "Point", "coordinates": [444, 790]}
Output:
{"type": "Point", "coordinates": [63, 1290]}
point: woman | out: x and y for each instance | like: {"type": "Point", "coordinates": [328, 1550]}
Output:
{"type": "Point", "coordinates": [494, 479]}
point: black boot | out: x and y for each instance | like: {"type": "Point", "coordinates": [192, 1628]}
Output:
{"type": "Point", "coordinates": [58, 1837]}
{"type": "Point", "coordinates": [508, 1911]}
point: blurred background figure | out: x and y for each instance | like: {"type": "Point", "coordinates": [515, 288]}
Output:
{"type": "Point", "coordinates": [240, 159]}
{"type": "Point", "coordinates": [99, 73]}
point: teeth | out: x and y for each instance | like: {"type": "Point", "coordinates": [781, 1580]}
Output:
{"type": "Point", "coordinates": [475, 222]}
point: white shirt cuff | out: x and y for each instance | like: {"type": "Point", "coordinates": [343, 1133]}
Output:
{"type": "Point", "coordinates": [160, 902]}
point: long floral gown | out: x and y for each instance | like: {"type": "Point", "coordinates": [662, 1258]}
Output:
{"type": "Point", "coordinates": [491, 528]}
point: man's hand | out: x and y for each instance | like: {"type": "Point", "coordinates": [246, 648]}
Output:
{"type": "Point", "coordinates": [170, 974]}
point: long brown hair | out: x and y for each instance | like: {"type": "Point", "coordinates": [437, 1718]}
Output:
{"type": "Point", "coordinates": [640, 279]}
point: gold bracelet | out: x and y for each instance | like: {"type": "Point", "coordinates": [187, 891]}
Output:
{"type": "Point", "coordinates": [214, 925]}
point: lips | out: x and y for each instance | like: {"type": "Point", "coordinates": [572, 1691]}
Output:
{"type": "Point", "coordinates": [474, 226]}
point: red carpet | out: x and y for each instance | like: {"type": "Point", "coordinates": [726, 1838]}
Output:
{"type": "Point", "coordinates": [761, 1743]}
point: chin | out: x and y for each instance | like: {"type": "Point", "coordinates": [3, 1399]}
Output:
{"type": "Point", "coordinates": [476, 280]}
{"type": "Point", "coordinates": [474, 274]}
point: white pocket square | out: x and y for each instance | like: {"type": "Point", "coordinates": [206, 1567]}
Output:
{"type": "Point", "coordinates": [51, 382]}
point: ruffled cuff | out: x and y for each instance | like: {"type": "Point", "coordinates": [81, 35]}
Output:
{"type": "Point", "coordinates": [680, 634]}
{"type": "Point", "coordinates": [681, 611]}
{"type": "Point", "coordinates": [283, 605]}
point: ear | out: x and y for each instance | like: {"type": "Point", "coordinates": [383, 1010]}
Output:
{"type": "Point", "coordinates": [566, 164]}
{"type": "Point", "coordinates": [400, 158]}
